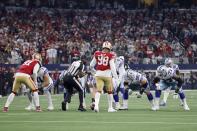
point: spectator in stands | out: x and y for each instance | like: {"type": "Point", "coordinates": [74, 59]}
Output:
{"type": "Point", "coordinates": [52, 55]}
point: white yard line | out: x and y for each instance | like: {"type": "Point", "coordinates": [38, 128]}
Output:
{"type": "Point", "coordinates": [103, 122]}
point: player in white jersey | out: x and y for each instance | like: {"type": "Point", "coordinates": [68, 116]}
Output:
{"type": "Point", "coordinates": [45, 82]}
{"type": "Point", "coordinates": [169, 63]}
{"type": "Point", "coordinates": [134, 77]}
{"type": "Point", "coordinates": [167, 77]}
{"type": "Point", "coordinates": [119, 63]}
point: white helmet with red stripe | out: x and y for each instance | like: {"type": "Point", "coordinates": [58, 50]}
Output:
{"type": "Point", "coordinates": [37, 56]}
{"type": "Point", "coordinates": [107, 45]}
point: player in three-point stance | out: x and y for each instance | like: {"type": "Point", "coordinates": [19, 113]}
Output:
{"type": "Point", "coordinates": [167, 77]}
{"type": "Point", "coordinates": [26, 74]}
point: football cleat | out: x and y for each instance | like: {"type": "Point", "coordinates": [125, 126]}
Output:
{"type": "Point", "coordinates": [30, 107]}
{"type": "Point", "coordinates": [123, 108]}
{"type": "Point", "coordinates": [50, 108]}
{"type": "Point", "coordinates": [81, 108]}
{"type": "Point", "coordinates": [38, 109]}
{"type": "Point", "coordinates": [186, 107]}
{"type": "Point", "coordinates": [112, 110]}
{"type": "Point", "coordinates": [92, 106]}
{"type": "Point", "coordinates": [153, 108]}
{"type": "Point", "coordinates": [5, 109]}
{"type": "Point", "coordinates": [162, 104]}
{"type": "Point", "coordinates": [96, 109]}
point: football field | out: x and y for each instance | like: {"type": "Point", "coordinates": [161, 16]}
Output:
{"type": "Point", "coordinates": [139, 117]}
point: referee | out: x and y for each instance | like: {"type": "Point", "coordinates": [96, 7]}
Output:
{"type": "Point", "coordinates": [71, 82]}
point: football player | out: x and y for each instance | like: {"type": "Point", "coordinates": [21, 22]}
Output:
{"type": "Point", "coordinates": [45, 82]}
{"type": "Point", "coordinates": [134, 77]}
{"type": "Point", "coordinates": [105, 69]}
{"type": "Point", "coordinates": [167, 77]}
{"type": "Point", "coordinates": [169, 63]}
{"type": "Point", "coordinates": [119, 63]}
{"type": "Point", "coordinates": [26, 74]}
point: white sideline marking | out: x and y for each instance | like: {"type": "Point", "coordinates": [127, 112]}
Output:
{"type": "Point", "coordinates": [103, 122]}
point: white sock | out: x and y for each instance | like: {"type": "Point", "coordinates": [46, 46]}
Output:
{"type": "Point", "coordinates": [84, 103]}
{"type": "Point", "coordinates": [117, 103]}
{"type": "Point", "coordinates": [29, 95]}
{"type": "Point", "coordinates": [125, 103]}
{"type": "Point", "coordinates": [49, 99]}
{"type": "Point", "coordinates": [97, 98]}
{"type": "Point", "coordinates": [10, 99]}
{"type": "Point", "coordinates": [157, 102]}
{"type": "Point", "coordinates": [32, 102]}
{"type": "Point", "coordinates": [184, 101]}
{"type": "Point", "coordinates": [110, 100]}
{"type": "Point", "coordinates": [36, 98]}
{"type": "Point", "coordinates": [152, 103]}
{"type": "Point", "coordinates": [165, 95]}
{"type": "Point", "coordinates": [181, 102]}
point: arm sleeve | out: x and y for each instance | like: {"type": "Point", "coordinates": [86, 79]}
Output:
{"type": "Point", "coordinates": [113, 68]}
{"type": "Point", "coordinates": [35, 72]}
{"type": "Point", "coordinates": [46, 81]}
{"type": "Point", "coordinates": [92, 65]}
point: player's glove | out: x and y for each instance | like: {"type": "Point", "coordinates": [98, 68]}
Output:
{"type": "Point", "coordinates": [177, 89]}
{"type": "Point", "coordinates": [141, 91]}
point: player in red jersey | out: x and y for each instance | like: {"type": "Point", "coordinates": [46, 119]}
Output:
{"type": "Point", "coordinates": [103, 62]}
{"type": "Point", "coordinates": [26, 74]}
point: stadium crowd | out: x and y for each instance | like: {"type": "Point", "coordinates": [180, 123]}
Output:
{"type": "Point", "coordinates": [143, 36]}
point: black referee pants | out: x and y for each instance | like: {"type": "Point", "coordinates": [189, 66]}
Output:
{"type": "Point", "coordinates": [70, 83]}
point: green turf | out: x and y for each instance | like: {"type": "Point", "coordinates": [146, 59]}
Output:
{"type": "Point", "coordinates": [139, 117]}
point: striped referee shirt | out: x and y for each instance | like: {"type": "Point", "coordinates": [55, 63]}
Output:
{"type": "Point", "coordinates": [75, 68]}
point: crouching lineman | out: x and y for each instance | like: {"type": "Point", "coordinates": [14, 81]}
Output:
{"type": "Point", "coordinates": [166, 77]}
{"type": "Point", "coordinates": [71, 81]}
{"type": "Point", "coordinates": [45, 82]}
{"type": "Point", "coordinates": [119, 63]}
{"type": "Point", "coordinates": [26, 74]}
{"type": "Point", "coordinates": [169, 63]}
{"type": "Point", "coordinates": [134, 77]}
